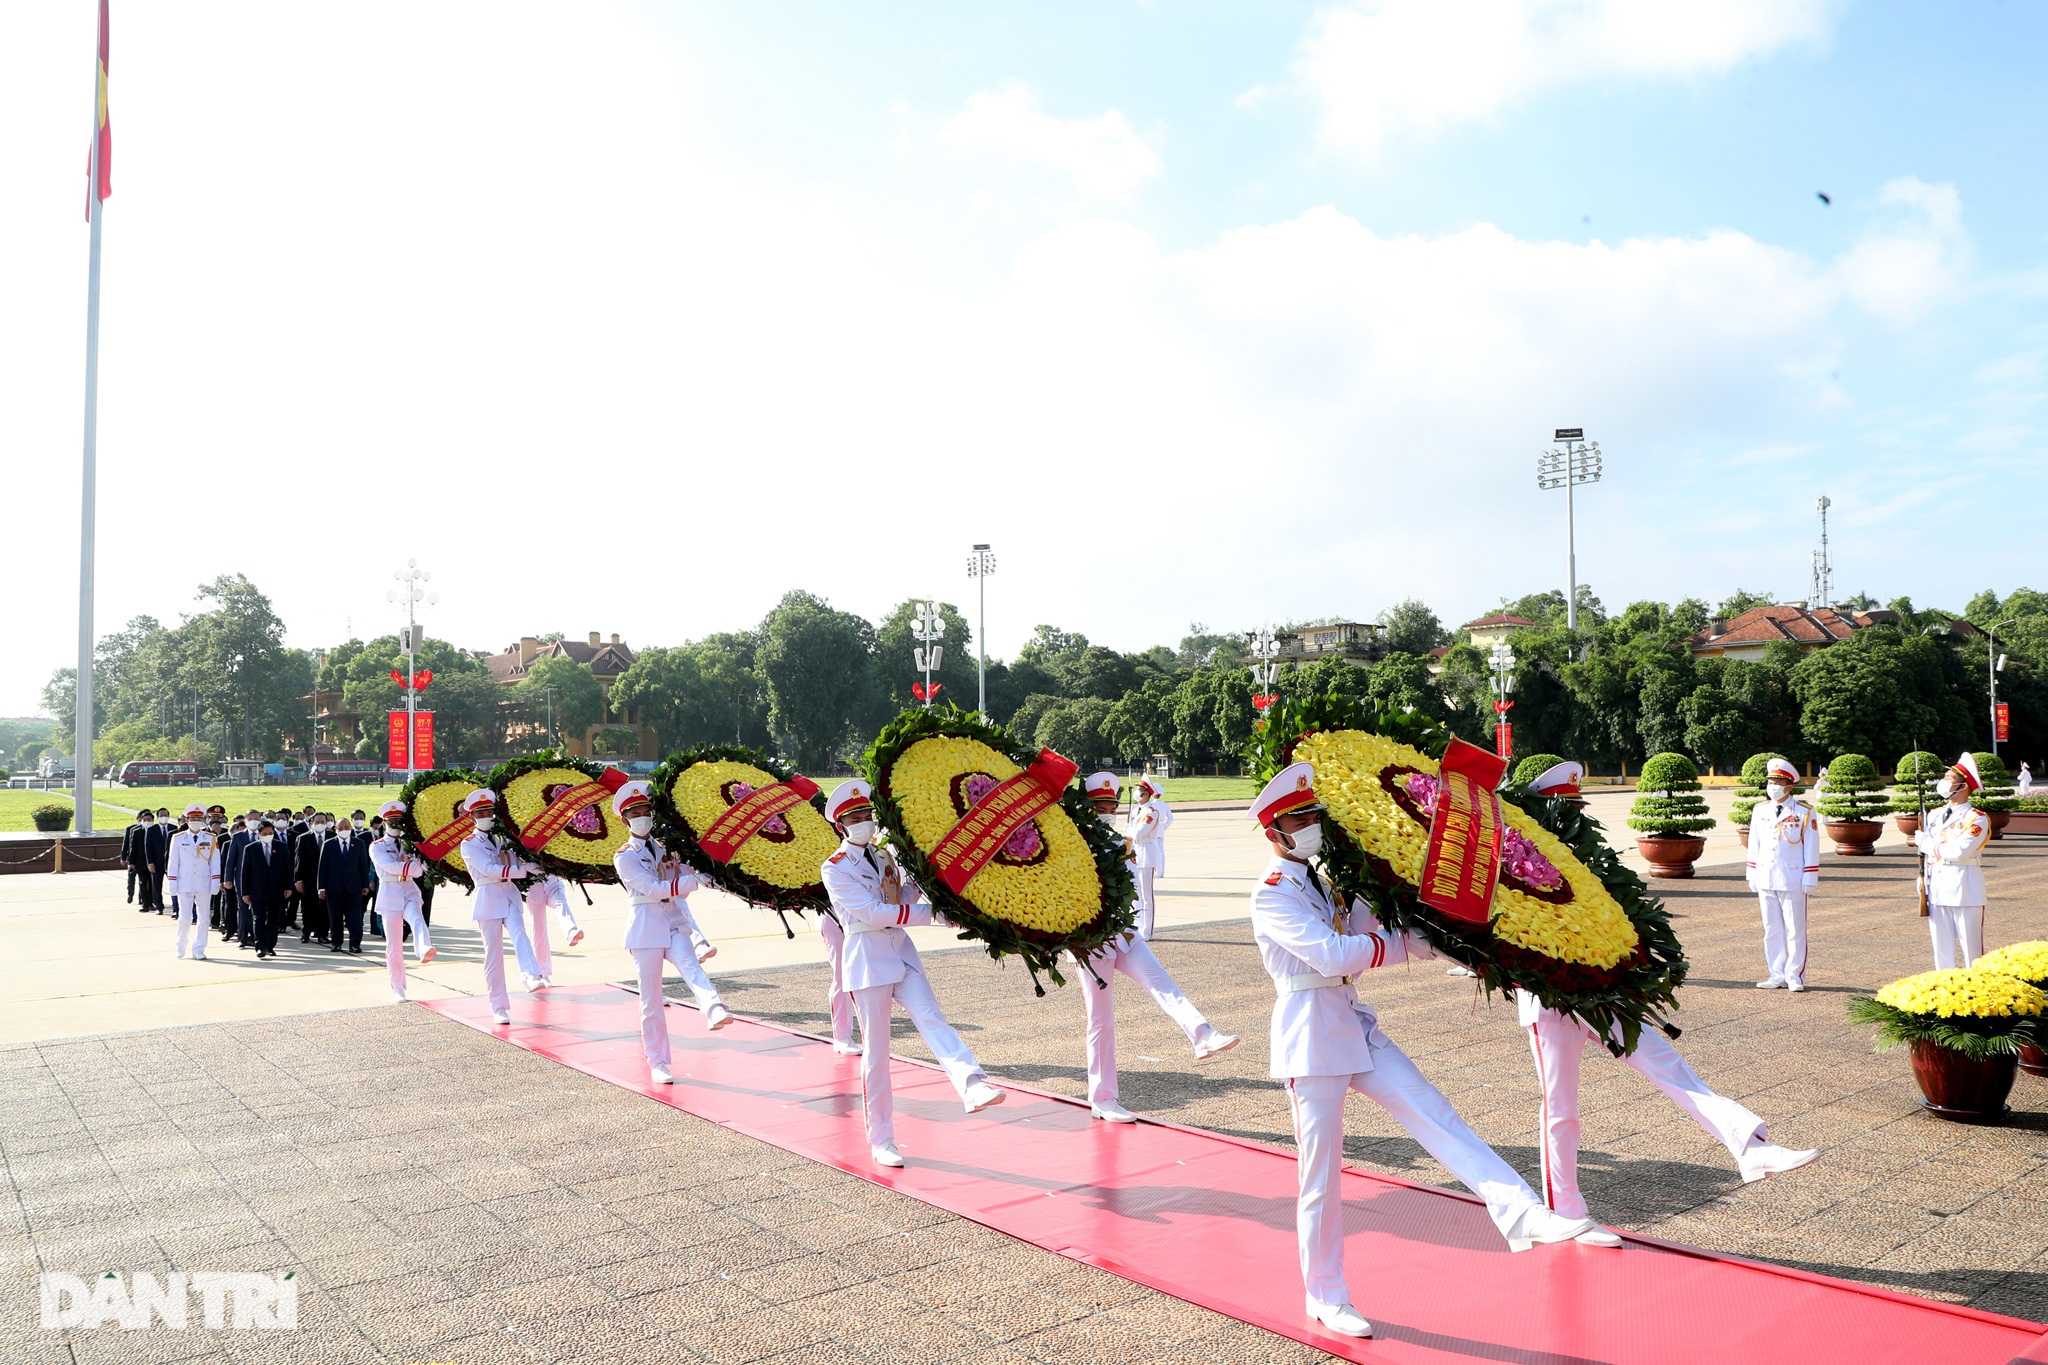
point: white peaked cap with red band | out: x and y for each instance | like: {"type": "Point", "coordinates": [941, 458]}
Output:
{"type": "Point", "coordinates": [1779, 767]}
{"type": "Point", "coordinates": [1101, 784]}
{"type": "Point", "coordinates": [1155, 785]}
{"type": "Point", "coordinates": [628, 794]}
{"type": "Point", "coordinates": [1967, 766]}
{"type": "Point", "coordinates": [848, 796]}
{"type": "Point", "coordinates": [1561, 779]}
{"type": "Point", "coordinates": [390, 809]}
{"type": "Point", "coordinates": [1293, 789]}
{"type": "Point", "coordinates": [478, 799]}
{"type": "Point", "coordinates": [195, 809]}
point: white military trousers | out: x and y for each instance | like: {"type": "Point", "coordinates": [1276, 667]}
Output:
{"type": "Point", "coordinates": [871, 1004]}
{"type": "Point", "coordinates": [194, 918]}
{"type": "Point", "coordinates": [494, 961]}
{"type": "Point", "coordinates": [1146, 904]}
{"type": "Point", "coordinates": [1135, 959]}
{"type": "Point", "coordinates": [1559, 1044]}
{"type": "Point", "coordinates": [654, 1005]}
{"type": "Point", "coordinates": [399, 903]}
{"type": "Point", "coordinates": [837, 1000]}
{"type": "Point", "coordinates": [1784, 935]}
{"type": "Point", "coordinates": [1396, 1086]}
{"type": "Point", "coordinates": [1958, 932]}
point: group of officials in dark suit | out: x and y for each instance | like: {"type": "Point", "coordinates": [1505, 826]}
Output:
{"type": "Point", "coordinates": [277, 869]}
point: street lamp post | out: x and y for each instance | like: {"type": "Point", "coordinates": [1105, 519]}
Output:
{"type": "Point", "coordinates": [409, 592]}
{"type": "Point", "coordinates": [1503, 661]}
{"type": "Point", "coordinates": [927, 628]}
{"type": "Point", "coordinates": [980, 564]}
{"type": "Point", "coordinates": [1578, 462]}
{"type": "Point", "coordinates": [1265, 647]}
{"type": "Point", "coordinates": [1994, 663]}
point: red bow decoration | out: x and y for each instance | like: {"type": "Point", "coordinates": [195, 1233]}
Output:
{"type": "Point", "coordinates": [1262, 700]}
{"type": "Point", "coordinates": [922, 693]}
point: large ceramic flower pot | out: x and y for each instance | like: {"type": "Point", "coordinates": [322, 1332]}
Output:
{"type": "Point", "coordinates": [2033, 1060]}
{"type": "Point", "coordinates": [1961, 1088]}
{"type": "Point", "coordinates": [1853, 838]}
{"type": "Point", "coordinates": [1670, 855]}
{"type": "Point", "coordinates": [1742, 833]}
{"type": "Point", "coordinates": [1909, 825]}
{"type": "Point", "coordinates": [1999, 820]}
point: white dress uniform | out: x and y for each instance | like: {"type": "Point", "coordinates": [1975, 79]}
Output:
{"type": "Point", "coordinates": [192, 875]}
{"type": "Point", "coordinates": [837, 998]}
{"type": "Point", "coordinates": [1784, 865]}
{"type": "Point", "coordinates": [1953, 840]}
{"type": "Point", "coordinates": [1150, 819]}
{"type": "Point", "coordinates": [398, 901]}
{"type": "Point", "coordinates": [874, 902]}
{"type": "Point", "coordinates": [658, 929]}
{"type": "Point", "coordinates": [1326, 1043]}
{"type": "Point", "coordinates": [495, 865]}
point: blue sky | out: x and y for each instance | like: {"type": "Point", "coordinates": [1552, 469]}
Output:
{"type": "Point", "coordinates": [1198, 311]}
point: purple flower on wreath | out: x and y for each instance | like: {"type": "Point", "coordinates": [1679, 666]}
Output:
{"type": "Point", "coordinates": [1422, 789]}
{"type": "Point", "coordinates": [1522, 861]}
{"type": "Point", "coordinates": [774, 824]}
{"type": "Point", "coordinates": [1025, 843]}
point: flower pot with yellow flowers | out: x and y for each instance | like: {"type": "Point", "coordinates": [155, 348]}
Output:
{"type": "Point", "coordinates": [2029, 962]}
{"type": "Point", "coordinates": [1965, 1027]}
{"type": "Point", "coordinates": [1669, 815]}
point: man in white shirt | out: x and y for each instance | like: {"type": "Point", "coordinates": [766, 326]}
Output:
{"type": "Point", "coordinates": [659, 927]}
{"type": "Point", "coordinates": [1132, 956]}
{"type": "Point", "coordinates": [1784, 867]}
{"type": "Point", "coordinates": [1952, 842]}
{"type": "Point", "coordinates": [192, 869]}
{"type": "Point", "coordinates": [399, 868]}
{"type": "Point", "coordinates": [1151, 817]}
{"type": "Point", "coordinates": [874, 902]}
{"type": "Point", "coordinates": [1327, 1043]}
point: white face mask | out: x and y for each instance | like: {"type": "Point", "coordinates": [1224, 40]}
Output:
{"type": "Point", "coordinates": [1308, 842]}
{"type": "Point", "coordinates": [1945, 788]}
{"type": "Point", "coordinates": [860, 832]}
{"type": "Point", "coordinates": [1779, 791]}
{"type": "Point", "coordinates": [484, 823]}
{"type": "Point", "coordinates": [640, 824]}
{"type": "Point", "coordinates": [194, 825]}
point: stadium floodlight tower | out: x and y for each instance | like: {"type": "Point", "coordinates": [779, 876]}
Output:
{"type": "Point", "coordinates": [1577, 461]}
{"type": "Point", "coordinates": [980, 564]}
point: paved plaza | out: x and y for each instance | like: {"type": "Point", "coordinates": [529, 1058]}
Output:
{"type": "Point", "coordinates": [444, 1197]}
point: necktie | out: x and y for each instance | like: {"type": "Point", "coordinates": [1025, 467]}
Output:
{"type": "Point", "coordinates": [869, 854]}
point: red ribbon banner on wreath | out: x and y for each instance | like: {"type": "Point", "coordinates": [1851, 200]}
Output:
{"type": "Point", "coordinates": [442, 841]}
{"type": "Point", "coordinates": [563, 808]}
{"type": "Point", "coordinates": [981, 833]}
{"type": "Point", "coordinates": [1463, 860]}
{"type": "Point", "coordinates": [744, 818]}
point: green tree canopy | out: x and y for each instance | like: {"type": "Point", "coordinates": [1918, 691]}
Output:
{"type": "Point", "coordinates": [817, 662]}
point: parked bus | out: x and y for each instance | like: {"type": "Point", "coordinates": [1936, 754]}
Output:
{"type": "Point", "coordinates": [158, 773]}
{"type": "Point", "coordinates": [348, 771]}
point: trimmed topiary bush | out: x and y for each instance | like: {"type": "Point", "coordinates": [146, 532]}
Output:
{"type": "Point", "coordinates": [1998, 789]}
{"type": "Point", "coordinates": [1854, 791]}
{"type": "Point", "coordinates": [52, 818]}
{"type": "Point", "coordinates": [1913, 783]}
{"type": "Point", "coordinates": [1750, 789]}
{"type": "Point", "coordinates": [1533, 767]}
{"type": "Point", "coordinates": [1670, 805]}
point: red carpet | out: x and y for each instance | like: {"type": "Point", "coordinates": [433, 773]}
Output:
{"type": "Point", "coordinates": [1211, 1220]}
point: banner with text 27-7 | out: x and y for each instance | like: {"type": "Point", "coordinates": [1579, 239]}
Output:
{"type": "Point", "coordinates": [1463, 860]}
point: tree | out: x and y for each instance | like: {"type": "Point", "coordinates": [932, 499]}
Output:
{"type": "Point", "coordinates": [1403, 679]}
{"type": "Point", "coordinates": [1212, 716]}
{"type": "Point", "coordinates": [1876, 692]}
{"type": "Point", "coordinates": [615, 741]}
{"type": "Point", "coordinates": [235, 661]}
{"type": "Point", "coordinates": [1410, 627]}
{"type": "Point", "coordinates": [704, 692]}
{"type": "Point", "coordinates": [1024, 720]}
{"type": "Point", "coordinates": [1050, 646]}
{"type": "Point", "coordinates": [1718, 728]}
{"type": "Point", "coordinates": [816, 662]}
{"type": "Point", "coordinates": [1140, 723]}
{"type": "Point", "coordinates": [1098, 672]}
{"type": "Point", "coordinates": [1072, 726]}
{"type": "Point", "coordinates": [556, 688]}
{"type": "Point", "coordinates": [1010, 685]}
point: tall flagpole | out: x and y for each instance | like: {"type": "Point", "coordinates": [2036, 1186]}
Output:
{"type": "Point", "coordinates": [95, 209]}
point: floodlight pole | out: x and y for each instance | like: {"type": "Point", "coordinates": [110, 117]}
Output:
{"type": "Point", "coordinates": [980, 564]}
{"type": "Point", "coordinates": [1578, 462]}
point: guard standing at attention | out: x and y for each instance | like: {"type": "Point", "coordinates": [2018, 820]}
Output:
{"type": "Point", "coordinates": [1151, 817]}
{"type": "Point", "coordinates": [1784, 867]}
{"type": "Point", "coordinates": [1953, 841]}
{"type": "Point", "coordinates": [1327, 1043]}
{"type": "Point", "coordinates": [192, 875]}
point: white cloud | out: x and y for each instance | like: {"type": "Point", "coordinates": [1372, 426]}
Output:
{"type": "Point", "coordinates": [1103, 154]}
{"type": "Point", "coordinates": [1377, 68]}
{"type": "Point", "coordinates": [1897, 271]}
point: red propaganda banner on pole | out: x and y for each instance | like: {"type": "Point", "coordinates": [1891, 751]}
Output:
{"type": "Point", "coordinates": [423, 739]}
{"type": "Point", "coordinates": [2004, 724]}
{"type": "Point", "coordinates": [1463, 860]}
{"type": "Point", "coordinates": [1000, 813]}
{"type": "Point", "coordinates": [398, 744]}
{"type": "Point", "coordinates": [1504, 740]}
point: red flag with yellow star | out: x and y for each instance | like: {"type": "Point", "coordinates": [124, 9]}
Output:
{"type": "Point", "coordinates": [100, 162]}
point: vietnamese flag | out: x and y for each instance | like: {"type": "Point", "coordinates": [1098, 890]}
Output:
{"type": "Point", "coordinates": [101, 158]}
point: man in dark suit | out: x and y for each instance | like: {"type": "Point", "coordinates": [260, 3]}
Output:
{"type": "Point", "coordinates": [260, 884]}
{"type": "Point", "coordinates": [345, 874]}
{"type": "Point", "coordinates": [156, 852]}
{"type": "Point", "coordinates": [131, 861]}
{"type": "Point", "coordinates": [306, 880]}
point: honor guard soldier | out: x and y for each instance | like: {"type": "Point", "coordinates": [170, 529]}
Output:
{"type": "Point", "coordinates": [1327, 1042]}
{"type": "Point", "coordinates": [1784, 867]}
{"type": "Point", "coordinates": [496, 868]}
{"type": "Point", "coordinates": [1132, 956]}
{"type": "Point", "coordinates": [399, 868]}
{"type": "Point", "coordinates": [1558, 1042]}
{"type": "Point", "coordinates": [874, 903]}
{"type": "Point", "coordinates": [1952, 841]}
{"type": "Point", "coordinates": [192, 875]}
{"type": "Point", "coordinates": [1151, 817]}
{"type": "Point", "coordinates": [659, 927]}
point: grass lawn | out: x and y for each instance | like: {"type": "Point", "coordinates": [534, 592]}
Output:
{"type": "Point", "coordinates": [16, 805]}
{"type": "Point", "coordinates": [114, 805]}
{"type": "Point", "coordinates": [1210, 789]}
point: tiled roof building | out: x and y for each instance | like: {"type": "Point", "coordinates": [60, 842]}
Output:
{"type": "Point", "coordinates": [1747, 636]}
{"type": "Point", "coordinates": [606, 659]}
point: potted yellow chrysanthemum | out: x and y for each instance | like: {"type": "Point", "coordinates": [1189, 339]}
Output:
{"type": "Point", "coordinates": [1965, 1027]}
{"type": "Point", "coordinates": [2029, 962]}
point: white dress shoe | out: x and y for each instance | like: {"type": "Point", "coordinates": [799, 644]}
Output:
{"type": "Point", "coordinates": [398, 997]}
{"type": "Point", "coordinates": [548, 982]}
{"type": "Point", "coordinates": [707, 952]}
{"type": "Point", "coordinates": [1770, 985]}
{"type": "Point", "coordinates": [1598, 1237]}
{"type": "Point", "coordinates": [575, 937]}
{"type": "Point", "coordinates": [532, 983]}
{"type": "Point", "coordinates": [1795, 986]}
{"type": "Point", "coordinates": [981, 1095]}
{"type": "Point", "coordinates": [1542, 1225]}
{"type": "Point", "coordinates": [429, 955]}
{"type": "Point", "coordinates": [1215, 1043]}
{"type": "Point", "coordinates": [1763, 1159]}
{"type": "Point", "coordinates": [199, 957]}
{"type": "Point", "coordinates": [1460, 970]}
{"type": "Point", "coordinates": [501, 1017]}
{"type": "Point", "coordinates": [1342, 1319]}
{"type": "Point", "coordinates": [847, 1049]}
{"type": "Point", "coordinates": [1112, 1112]}
{"type": "Point", "coordinates": [885, 1154]}
{"type": "Point", "coordinates": [660, 1075]}
{"type": "Point", "coordinates": [717, 1017]}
